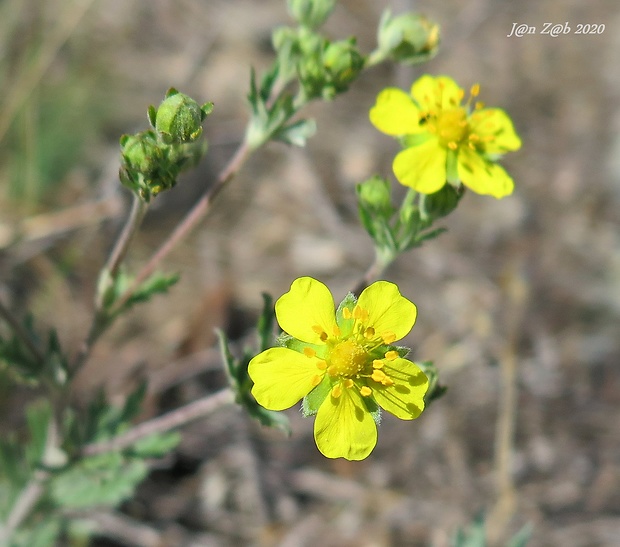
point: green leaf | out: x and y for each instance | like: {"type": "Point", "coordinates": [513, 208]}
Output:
{"type": "Point", "coordinates": [156, 284]}
{"type": "Point", "coordinates": [103, 480]}
{"type": "Point", "coordinates": [296, 133]}
{"type": "Point", "coordinates": [44, 533]}
{"type": "Point", "coordinates": [133, 403]}
{"type": "Point", "coordinates": [156, 445]}
{"type": "Point", "coordinates": [264, 326]}
{"type": "Point", "coordinates": [474, 536]}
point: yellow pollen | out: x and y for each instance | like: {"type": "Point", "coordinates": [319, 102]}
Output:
{"type": "Point", "coordinates": [336, 331]}
{"type": "Point", "coordinates": [316, 380]}
{"type": "Point", "coordinates": [388, 337]}
{"type": "Point", "coordinates": [321, 365]}
{"type": "Point", "coordinates": [349, 383]}
{"type": "Point", "coordinates": [377, 363]}
{"type": "Point", "coordinates": [309, 352]}
{"type": "Point", "coordinates": [336, 391]}
{"type": "Point", "coordinates": [391, 355]}
{"type": "Point", "coordinates": [365, 391]}
{"type": "Point", "coordinates": [479, 105]}
{"type": "Point", "coordinates": [369, 333]}
{"type": "Point", "coordinates": [360, 314]}
{"type": "Point", "coordinates": [451, 125]}
{"type": "Point", "coordinates": [387, 381]}
{"type": "Point", "coordinates": [378, 376]}
{"type": "Point", "coordinates": [347, 359]}
{"type": "Point", "coordinates": [452, 145]}
{"type": "Point", "coordinates": [346, 313]}
{"type": "Point", "coordinates": [475, 90]}
{"type": "Point", "coordinates": [319, 330]}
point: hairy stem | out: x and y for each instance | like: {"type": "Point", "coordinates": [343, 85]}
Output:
{"type": "Point", "coordinates": [189, 222]}
{"type": "Point", "coordinates": [166, 422]}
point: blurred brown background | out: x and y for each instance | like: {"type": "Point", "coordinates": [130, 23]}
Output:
{"type": "Point", "coordinates": [532, 279]}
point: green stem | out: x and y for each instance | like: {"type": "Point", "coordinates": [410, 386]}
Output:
{"type": "Point", "coordinates": [381, 262]}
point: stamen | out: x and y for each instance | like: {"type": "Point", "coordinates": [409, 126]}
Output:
{"type": "Point", "coordinates": [360, 314]}
{"type": "Point", "coordinates": [319, 330]}
{"type": "Point", "coordinates": [316, 380]}
{"type": "Point", "coordinates": [388, 337]}
{"type": "Point", "coordinates": [332, 370]}
{"type": "Point", "coordinates": [309, 352]}
{"type": "Point", "coordinates": [348, 383]}
{"type": "Point", "coordinates": [475, 90]}
{"type": "Point", "coordinates": [387, 382]}
{"type": "Point", "coordinates": [321, 365]}
{"type": "Point", "coordinates": [452, 145]}
{"type": "Point", "coordinates": [365, 391]}
{"type": "Point", "coordinates": [336, 330]}
{"type": "Point", "coordinates": [378, 376]}
{"type": "Point", "coordinates": [391, 355]}
{"type": "Point", "coordinates": [377, 363]}
{"type": "Point", "coordinates": [336, 391]}
{"type": "Point", "coordinates": [369, 333]}
{"type": "Point", "coordinates": [346, 313]}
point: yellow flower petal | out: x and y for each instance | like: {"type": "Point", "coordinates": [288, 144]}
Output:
{"type": "Point", "coordinates": [422, 167]}
{"type": "Point", "coordinates": [435, 93]}
{"type": "Point", "coordinates": [394, 113]}
{"type": "Point", "coordinates": [388, 311]}
{"type": "Point", "coordinates": [282, 377]}
{"type": "Point", "coordinates": [307, 311]}
{"type": "Point", "coordinates": [405, 397]}
{"type": "Point", "coordinates": [482, 176]}
{"type": "Point", "coordinates": [496, 124]}
{"type": "Point", "coordinates": [344, 428]}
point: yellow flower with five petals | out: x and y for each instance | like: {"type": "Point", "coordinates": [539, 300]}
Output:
{"type": "Point", "coordinates": [446, 140]}
{"type": "Point", "coordinates": [343, 365]}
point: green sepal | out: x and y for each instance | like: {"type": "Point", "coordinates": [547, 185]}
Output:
{"type": "Point", "coordinates": [287, 341]}
{"type": "Point", "coordinates": [179, 117]}
{"type": "Point", "coordinates": [435, 389]}
{"type": "Point", "coordinates": [310, 403]}
{"type": "Point", "coordinates": [346, 325]}
{"type": "Point", "coordinates": [373, 408]}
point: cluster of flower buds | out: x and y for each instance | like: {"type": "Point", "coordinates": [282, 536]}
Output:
{"type": "Point", "coordinates": [152, 160]}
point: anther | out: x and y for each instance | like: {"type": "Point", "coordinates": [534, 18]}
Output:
{"type": "Point", "coordinates": [319, 330]}
{"type": "Point", "coordinates": [348, 383]}
{"type": "Point", "coordinates": [336, 391]}
{"type": "Point", "coordinates": [316, 380]}
{"type": "Point", "coordinates": [321, 365]}
{"type": "Point", "coordinates": [391, 355]}
{"type": "Point", "coordinates": [452, 145]}
{"type": "Point", "coordinates": [388, 337]}
{"type": "Point", "coordinates": [475, 90]}
{"type": "Point", "coordinates": [346, 313]}
{"type": "Point", "coordinates": [377, 363]}
{"type": "Point", "coordinates": [378, 376]}
{"type": "Point", "coordinates": [336, 330]}
{"type": "Point", "coordinates": [309, 352]}
{"type": "Point", "coordinates": [365, 391]}
{"type": "Point", "coordinates": [369, 333]}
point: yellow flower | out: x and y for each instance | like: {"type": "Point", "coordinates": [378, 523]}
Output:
{"type": "Point", "coordinates": [344, 364]}
{"type": "Point", "coordinates": [445, 140]}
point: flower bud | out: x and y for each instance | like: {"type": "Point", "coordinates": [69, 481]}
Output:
{"type": "Point", "coordinates": [310, 13]}
{"type": "Point", "coordinates": [409, 38]}
{"type": "Point", "coordinates": [179, 117]}
{"type": "Point", "coordinates": [443, 202]}
{"type": "Point", "coordinates": [343, 63]}
{"type": "Point", "coordinates": [375, 195]}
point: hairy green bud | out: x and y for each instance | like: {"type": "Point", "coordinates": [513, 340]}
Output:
{"type": "Point", "coordinates": [409, 38]}
{"type": "Point", "coordinates": [310, 13]}
{"type": "Point", "coordinates": [375, 195]}
{"type": "Point", "coordinates": [179, 117]}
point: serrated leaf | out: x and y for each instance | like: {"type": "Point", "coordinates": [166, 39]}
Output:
{"type": "Point", "coordinates": [103, 480]}
{"type": "Point", "coordinates": [156, 445]}
{"type": "Point", "coordinates": [38, 416]}
{"type": "Point", "coordinates": [133, 403]}
{"type": "Point", "coordinates": [44, 533]}
{"type": "Point", "coordinates": [296, 133]}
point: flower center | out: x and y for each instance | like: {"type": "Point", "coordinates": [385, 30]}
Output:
{"type": "Point", "coordinates": [347, 359]}
{"type": "Point", "coordinates": [451, 127]}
